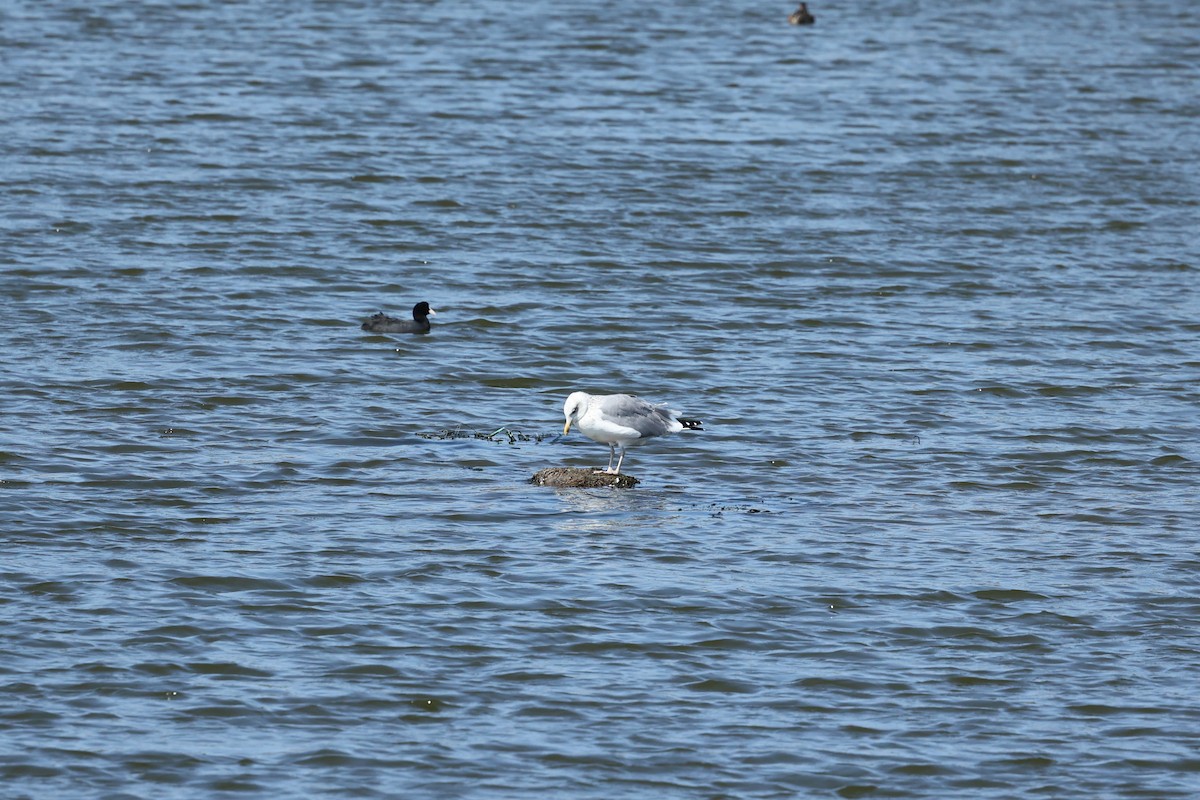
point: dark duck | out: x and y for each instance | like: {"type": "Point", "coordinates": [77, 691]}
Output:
{"type": "Point", "coordinates": [801, 16]}
{"type": "Point", "coordinates": [382, 323]}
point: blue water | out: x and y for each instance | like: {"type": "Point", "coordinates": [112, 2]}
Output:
{"type": "Point", "coordinates": [927, 271]}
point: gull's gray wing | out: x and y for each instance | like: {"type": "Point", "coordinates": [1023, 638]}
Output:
{"type": "Point", "coordinates": [633, 412]}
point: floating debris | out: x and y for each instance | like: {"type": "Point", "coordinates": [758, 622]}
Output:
{"type": "Point", "coordinates": [737, 509]}
{"type": "Point", "coordinates": [498, 435]}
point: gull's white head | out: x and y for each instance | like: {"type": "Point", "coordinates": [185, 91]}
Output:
{"type": "Point", "coordinates": [574, 408]}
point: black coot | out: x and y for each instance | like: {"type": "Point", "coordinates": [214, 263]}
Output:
{"type": "Point", "coordinates": [382, 323]}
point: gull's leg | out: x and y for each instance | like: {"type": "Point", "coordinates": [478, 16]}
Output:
{"type": "Point", "coordinates": [620, 460]}
{"type": "Point", "coordinates": [612, 453]}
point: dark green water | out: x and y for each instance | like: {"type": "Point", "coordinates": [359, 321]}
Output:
{"type": "Point", "coordinates": [927, 271]}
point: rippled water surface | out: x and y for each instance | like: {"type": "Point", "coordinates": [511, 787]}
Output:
{"type": "Point", "coordinates": [927, 271]}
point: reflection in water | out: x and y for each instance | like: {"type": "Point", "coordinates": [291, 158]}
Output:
{"type": "Point", "coordinates": [612, 510]}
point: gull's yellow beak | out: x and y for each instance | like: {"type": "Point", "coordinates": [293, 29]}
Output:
{"type": "Point", "coordinates": [567, 428]}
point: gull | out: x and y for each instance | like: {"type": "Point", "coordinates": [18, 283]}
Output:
{"type": "Point", "coordinates": [621, 419]}
{"type": "Point", "coordinates": [382, 323]}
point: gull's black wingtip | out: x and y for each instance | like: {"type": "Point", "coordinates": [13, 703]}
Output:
{"type": "Point", "coordinates": [691, 424]}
